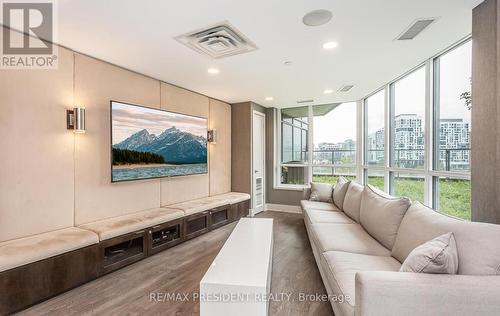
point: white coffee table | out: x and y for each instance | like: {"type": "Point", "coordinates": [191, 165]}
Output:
{"type": "Point", "coordinates": [239, 280]}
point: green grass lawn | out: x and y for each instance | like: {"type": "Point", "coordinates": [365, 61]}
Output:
{"type": "Point", "coordinates": [454, 195]}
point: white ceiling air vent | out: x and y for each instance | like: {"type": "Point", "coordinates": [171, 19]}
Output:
{"type": "Point", "coordinates": [346, 88]}
{"type": "Point", "coordinates": [305, 101]}
{"type": "Point", "coordinates": [415, 28]}
{"type": "Point", "coordinates": [218, 41]}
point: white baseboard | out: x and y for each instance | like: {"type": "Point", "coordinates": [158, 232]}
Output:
{"type": "Point", "coordinates": [283, 208]}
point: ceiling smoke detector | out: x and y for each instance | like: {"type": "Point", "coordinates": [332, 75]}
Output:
{"type": "Point", "coordinates": [217, 41]}
{"type": "Point", "coordinates": [317, 17]}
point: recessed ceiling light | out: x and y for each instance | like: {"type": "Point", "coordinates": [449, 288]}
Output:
{"type": "Point", "coordinates": [330, 45]}
{"type": "Point", "coordinates": [213, 71]}
{"type": "Point", "coordinates": [317, 17]}
{"type": "Point", "coordinates": [269, 98]}
{"type": "Point", "coordinates": [328, 91]}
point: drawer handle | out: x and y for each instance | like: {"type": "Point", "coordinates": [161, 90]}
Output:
{"type": "Point", "coordinates": [139, 232]}
{"type": "Point", "coordinates": [157, 226]}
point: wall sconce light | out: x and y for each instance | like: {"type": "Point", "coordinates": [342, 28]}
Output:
{"type": "Point", "coordinates": [212, 136]}
{"type": "Point", "coordinates": [75, 120]}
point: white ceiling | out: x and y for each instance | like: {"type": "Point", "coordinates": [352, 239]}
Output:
{"type": "Point", "coordinates": [139, 35]}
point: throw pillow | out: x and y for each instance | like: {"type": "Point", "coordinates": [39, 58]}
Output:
{"type": "Point", "coordinates": [438, 256]}
{"type": "Point", "coordinates": [321, 192]}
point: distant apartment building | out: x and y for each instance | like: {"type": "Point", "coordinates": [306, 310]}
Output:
{"type": "Point", "coordinates": [375, 145]}
{"type": "Point", "coordinates": [454, 141]}
{"type": "Point", "coordinates": [408, 141]}
{"type": "Point", "coordinates": [329, 153]}
{"type": "Point", "coordinates": [454, 144]}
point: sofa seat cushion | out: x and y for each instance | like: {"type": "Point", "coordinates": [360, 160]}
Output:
{"type": "Point", "coordinates": [346, 237]}
{"type": "Point", "coordinates": [233, 197]}
{"type": "Point", "coordinates": [318, 216]}
{"type": "Point", "coordinates": [200, 205]}
{"type": "Point", "coordinates": [314, 205]}
{"type": "Point", "coordinates": [121, 225]}
{"type": "Point", "coordinates": [341, 270]}
{"type": "Point", "coordinates": [18, 252]}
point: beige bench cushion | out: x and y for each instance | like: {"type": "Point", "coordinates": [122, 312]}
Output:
{"type": "Point", "coordinates": [342, 268]}
{"type": "Point", "coordinates": [18, 252]}
{"type": "Point", "coordinates": [233, 197]}
{"type": "Point", "coordinates": [346, 237]}
{"type": "Point", "coordinates": [318, 216]}
{"type": "Point", "coordinates": [116, 226]}
{"type": "Point", "coordinates": [200, 205]}
{"type": "Point", "coordinates": [313, 205]}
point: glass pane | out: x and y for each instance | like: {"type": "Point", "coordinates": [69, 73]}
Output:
{"type": "Point", "coordinates": [294, 130]}
{"type": "Point", "coordinates": [409, 185]}
{"type": "Point", "coordinates": [286, 143]}
{"type": "Point", "coordinates": [335, 134]}
{"type": "Point", "coordinates": [331, 174]}
{"type": "Point", "coordinates": [408, 123]}
{"type": "Point", "coordinates": [455, 109]}
{"type": "Point", "coordinates": [294, 175]}
{"type": "Point", "coordinates": [453, 197]}
{"type": "Point", "coordinates": [375, 129]}
{"type": "Point", "coordinates": [376, 178]}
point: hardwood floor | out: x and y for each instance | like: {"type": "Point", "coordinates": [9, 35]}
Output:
{"type": "Point", "coordinates": [141, 288]}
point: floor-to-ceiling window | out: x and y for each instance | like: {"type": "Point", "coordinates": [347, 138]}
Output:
{"type": "Point", "coordinates": [334, 142]}
{"type": "Point", "coordinates": [415, 135]}
{"type": "Point", "coordinates": [452, 117]}
{"type": "Point", "coordinates": [407, 104]}
{"type": "Point", "coordinates": [429, 134]}
{"type": "Point", "coordinates": [374, 135]}
{"type": "Point", "coordinates": [329, 132]}
{"type": "Point", "coordinates": [294, 146]}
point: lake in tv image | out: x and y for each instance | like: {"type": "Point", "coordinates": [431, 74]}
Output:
{"type": "Point", "coordinates": [150, 143]}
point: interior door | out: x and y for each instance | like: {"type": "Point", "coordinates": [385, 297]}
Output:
{"type": "Point", "coordinates": [258, 162]}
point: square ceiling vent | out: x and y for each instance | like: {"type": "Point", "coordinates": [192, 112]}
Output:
{"type": "Point", "coordinates": [218, 41]}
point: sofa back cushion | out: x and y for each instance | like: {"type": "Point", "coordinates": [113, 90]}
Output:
{"type": "Point", "coordinates": [321, 192]}
{"type": "Point", "coordinates": [477, 243]}
{"type": "Point", "coordinates": [352, 201]}
{"type": "Point", "coordinates": [381, 215]}
{"type": "Point", "coordinates": [339, 192]}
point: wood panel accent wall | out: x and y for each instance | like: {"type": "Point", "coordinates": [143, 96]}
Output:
{"type": "Point", "coordinates": [485, 140]}
{"type": "Point", "coordinates": [36, 168]}
{"type": "Point", "coordinates": [51, 178]}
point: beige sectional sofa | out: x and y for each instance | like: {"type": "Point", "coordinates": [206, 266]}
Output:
{"type": "Point", "coordinates": [360, 246]}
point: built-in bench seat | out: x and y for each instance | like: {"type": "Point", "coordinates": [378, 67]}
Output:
{"type": "Point", "coordinates": [38, 267]}
{"type": "Point", "coordinates": [121, 225]}
{"type": "Point", "coordinates": [18, 252]}
{"type": "Point", "coordinates": [211, 202]}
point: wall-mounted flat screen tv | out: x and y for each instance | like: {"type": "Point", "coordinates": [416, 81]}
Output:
{"type": "Point", "coordinates": [149, 143]}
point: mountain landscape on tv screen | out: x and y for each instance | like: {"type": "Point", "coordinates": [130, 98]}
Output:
{"type": "Point", "coordinates": [173, 145]}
